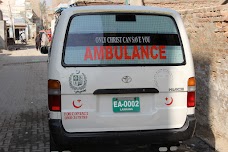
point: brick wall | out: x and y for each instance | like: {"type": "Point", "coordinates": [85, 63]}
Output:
{"type": "Point", "coordinates": [207, 29]}
{"type": "Point", "coordinates": [206, 23]}
{"type": "Point", "coordinates": [183, 4]}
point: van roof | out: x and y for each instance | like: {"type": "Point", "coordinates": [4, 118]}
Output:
{"type": "Point", "coordinates": [120, 8]}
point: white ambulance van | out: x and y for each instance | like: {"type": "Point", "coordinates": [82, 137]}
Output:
{"type": "Point", "coordinates": [120, 74]}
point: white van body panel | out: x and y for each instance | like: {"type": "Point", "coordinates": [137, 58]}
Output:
{"type": "Point", "coordinates": [96, 113]}
{"type": "Point", "coordinates": [154, 112]}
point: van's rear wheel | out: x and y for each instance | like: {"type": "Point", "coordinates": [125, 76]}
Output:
{"type": "Point", "coordinates": [53, 146]}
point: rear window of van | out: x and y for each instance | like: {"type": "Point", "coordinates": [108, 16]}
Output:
{"type": "Point", "coordinates": [122, 39]}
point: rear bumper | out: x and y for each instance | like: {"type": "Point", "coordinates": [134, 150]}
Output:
{"type": "Point", "coordinates": [65, 139]}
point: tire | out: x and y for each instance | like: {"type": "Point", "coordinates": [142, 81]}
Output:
{"type": "Point", "coordinates": [53, 146]}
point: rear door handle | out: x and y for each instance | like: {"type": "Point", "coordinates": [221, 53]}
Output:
{"type": "Point", "coordinates": [125, 91]}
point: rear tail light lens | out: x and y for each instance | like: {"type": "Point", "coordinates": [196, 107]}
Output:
{"type": "Point", "coordinates": [54, 95]}
{"type": "Point", "coordinates": [191, 97]}
{"type": "Point", "coordinates": [192, 81]}
{"type": "Point", "coordinates": [53, 84]}
{"type": "Point", "coordinates": [54, 102]}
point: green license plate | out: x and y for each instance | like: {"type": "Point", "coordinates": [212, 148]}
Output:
{"type": "Point", "coordinates": [126, 104]}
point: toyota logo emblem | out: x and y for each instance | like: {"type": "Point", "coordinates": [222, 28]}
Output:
{"type": "Point", "coordinates": [126, 79]}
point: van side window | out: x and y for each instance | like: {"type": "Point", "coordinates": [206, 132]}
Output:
{"type": "Point", "coordinates": [113, 40]}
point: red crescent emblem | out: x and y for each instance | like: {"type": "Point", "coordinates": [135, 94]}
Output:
{"type": "Point", "coordinates": [76, 105]}
{"type": "Point", "coordinates": [168, 104]}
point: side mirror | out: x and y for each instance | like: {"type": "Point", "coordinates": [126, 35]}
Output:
{"type": "Point", "coordinates": [44, 49]}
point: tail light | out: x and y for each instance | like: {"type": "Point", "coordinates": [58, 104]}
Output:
{"type": "Point", "coordinates": [191, 97]}
{"type": "Point", "coordinates": [54, 95]}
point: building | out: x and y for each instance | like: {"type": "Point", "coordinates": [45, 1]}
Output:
{"type": "Point", "coordinates": [20, 19]}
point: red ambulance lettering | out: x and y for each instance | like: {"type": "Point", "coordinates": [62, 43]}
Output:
{"type": "Point", "coordinates": [135, 53]}
{"type": "Point", "coordinates": [152, 52]}
{"type": "Point", "coordinates": [144, 52]}
{"type": "Point", "coordinates": [162, 52]}
{"type": "Point", "coordinates": [109, 54]}
{"type": "Point", "coordinates": [126, 56]}
{"type": "Point", "coordinates": [98, 54]}
{"type": "Point", "coordinates": [122, 52]}
{"type": "Point", "coordinates": [88, 54]}
{"type": "Point", "coordinates": [118, 57]}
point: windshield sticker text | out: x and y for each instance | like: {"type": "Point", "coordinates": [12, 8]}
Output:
{"type": "Point", "coordinates": [131, 40]}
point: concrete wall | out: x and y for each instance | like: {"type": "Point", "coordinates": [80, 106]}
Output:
{"type": "Point", "coordinates": [3, 36]}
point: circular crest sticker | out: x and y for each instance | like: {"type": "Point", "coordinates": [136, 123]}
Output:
{"type": "Point", "coordinates": [162, 78]}
{"type": "Point", "coordinates": [78, 82]}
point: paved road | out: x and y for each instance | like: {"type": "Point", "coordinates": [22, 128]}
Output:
{"type": "Point", "coordinates": [23, 112]}
{"type": "Point", "coordinates": [23, 107]}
